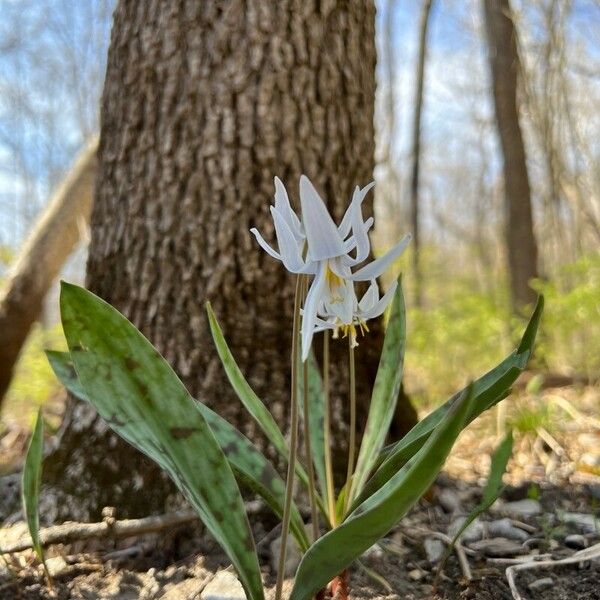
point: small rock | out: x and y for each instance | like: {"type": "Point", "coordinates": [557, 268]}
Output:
{"type": "Point", "coordinates": [475, 531]}
{"type": "Point", "coordinates": [373, 553]}
{"type": "Point", "coordinates": [449, 501]}
{"type": "Point", "coordinates": [541, 584]}
{"type": "Point", "coordinates": [505, 528]}
{"type": "Point", "coordinates": [528, 507]}
{"type": "Point", "coordinates": [575, 541]}
{"type": "Point", "coordinates": [223, 586]}
{"type": "Point", "coordinates": [187, 590]}
{"type": "Point", "coordinates": [292, 555]}
{"type": "Point", "coordinates": [56, 565]}
{"type": "Point", "coordinates": [416, 574]}
{"type": "Point", "coordinates": [434, 550]}
{"type": "Point", "coordinates": [498, 547]}
{"type": "Point", "coordinates": [585, 523]}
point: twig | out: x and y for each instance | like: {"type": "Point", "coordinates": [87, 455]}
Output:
{"type": "Point", "coordinates": [71, 532]}
{"type": "Point", "coordinates": [582, 555]}
{"type": "Point", "coordinates": [461, 553]}
{"type": "Point", "coordinates": [517, 560]}
{"type": "Point", "coordinates": [549, 439]}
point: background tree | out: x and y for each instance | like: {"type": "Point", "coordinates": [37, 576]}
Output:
{"type": "Point", "coordinates": [416, 149]}
{"type": "Point", "coordinates": [202, 106]}
{"type": "Point", "coordinates": [505, 66]}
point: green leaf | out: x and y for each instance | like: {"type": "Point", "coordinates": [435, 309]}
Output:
{"type": "Point", "coordinates": [133, 387]}
{"type": "Point", "coordinates": [385, 392]}
{"type": "Point", "coordinates": [488, 390]}
{"type": "Point", "coordinates": [30, 486]}
{"type": "Point", "coordinates": [316, 404]}
{"type": "Point", "coordinates": [492, 490]}
{"type": "Point", "coordinates": [249, 466]}
{"type": "Point", "coordinates": [378, 514]}
{"type": "Point", "coordinates": [254, 405]}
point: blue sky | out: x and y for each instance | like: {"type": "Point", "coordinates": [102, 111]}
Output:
{"type": "Point", "coordinates": [43, 120]}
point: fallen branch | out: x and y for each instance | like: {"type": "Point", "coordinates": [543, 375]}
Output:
{"type": "Point", "coordinates": [73, 532]}
{"type": "Point", "coordinates": [580, 556]}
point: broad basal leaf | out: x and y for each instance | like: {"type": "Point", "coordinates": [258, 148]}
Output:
{"type": "Point", "coordinates": [249, 465]}
{"type": "Point", "coordinates": [488, 391]}
{"type": "Point", "coordinates": [133, 387]}
{"type": "Point", "coordinates": [332, 553]}
{"type": "Point", "coordinates": [254, 405]}
{"type": "Point", "coordinates": [385, 392]}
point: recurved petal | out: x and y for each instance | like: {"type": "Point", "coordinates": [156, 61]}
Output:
{"type": "Point", "coordinates": [368, 301]}
{"type": "Point", "coordinates": [282, 204]}
{"type": "Point", "coordinates": [289, 247]}
{"type": "Point", "coordinates": [379, 306]}
{"type": "Point", "coordinates": [375, 268]}
{"type": "Point", "coordinates": [357, 199]}
{"type": "Point", "coordinates": [264, 245]}
{"type": "Point", "coordinates": [350, 243]}
{"type": "Point", "coordinates": [309, 313]}
{"type": "Point", "coordinates": [323, 238]}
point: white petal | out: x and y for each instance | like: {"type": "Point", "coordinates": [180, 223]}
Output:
{"type": "Point", "coordinates": [357, 198]}
{"type": "Point", "coordinates": [324, 240]}
{"type": "Point", "coordinates": [359, 230]}
{"type": "Point", "coordinates": [289, 248]}
{"type": "Point", "coordinates": [350, 243]}
{"type": "Point", "coordinates": [377, 267]}
{"type": "Point", "coordinates": [370, 298]}
{"type": "Point", "coordinates": [282, 204]}
{"type": "Point", "coordinates": [378, 308]}
{"type": "Point", "coordinates": [264, 245]}
{"type": "Point", "coordinates": [309, 313]}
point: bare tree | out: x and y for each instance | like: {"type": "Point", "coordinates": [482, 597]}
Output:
{"type": "Point", "coordinates": [41, 258]}
{"type": "Point", "coordinates": [520, 239]}
{"type": "Point", "coordinates": [201, 107]}
{"type": "Point", "coordinates": [416, 149]}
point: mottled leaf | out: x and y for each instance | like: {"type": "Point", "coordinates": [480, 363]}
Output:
{"type": "Point", "coordinates": [385, 392]}
{"type": "Point", "coordinates": [249, 466]}
{"type": "Point", "coordinates": [316, 404]}
{"type": "Point", "coordinates": [133, 387]}
{"type": "Point", "coordinates": [488, 390]}
{"type": "Point", "coordinates": [253, 404]}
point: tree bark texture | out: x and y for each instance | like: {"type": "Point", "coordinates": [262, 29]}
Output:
{"type": "Point", "coordinates": [204, 102]}
{"type": "Point", "coordinates": [505, 66]}
{"type": "Point", "coordinates": [43, 254]}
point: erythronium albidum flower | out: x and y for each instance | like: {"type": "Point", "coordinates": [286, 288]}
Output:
{"type": "Point", "coordinates": [315, 245]}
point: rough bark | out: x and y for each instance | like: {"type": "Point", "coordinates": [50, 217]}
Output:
{"type": "Point", "coordinates": [44, 253]}
{"type": "Point", "coordinates": [520, 239]}
{"type": "Point", "coordinates": [204, 102]}
{"type": "Point", "coordinates": [416, 151]}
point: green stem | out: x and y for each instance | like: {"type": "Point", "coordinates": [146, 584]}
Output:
{"type": "Point", "coordinates": [312, 493]}
{"type": "Point", "coordinates": [352, 442]}
{"type": "Point", "coordinates": [289, 485]}
{"type": "Point", "coordinates": [327, 432]}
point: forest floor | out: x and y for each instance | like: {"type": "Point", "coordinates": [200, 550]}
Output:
{"type": "Point", "coordinates": [549, 510]}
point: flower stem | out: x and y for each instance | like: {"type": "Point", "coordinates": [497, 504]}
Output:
{"type": "Point", "coordinates": [312, 488]}
{"type": "Point", "coordinates": [352, 442]}
{"type": "Point", "coordinates": [289, 486]}
{"type": "Point", "coordinates": [327, 432]}
{"type": "Point", "coordinates": [312, 493]}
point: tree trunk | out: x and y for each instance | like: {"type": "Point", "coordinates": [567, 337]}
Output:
{"type": "Point", "coordinates": [416, 150]}
{"type": "Point", "coordinates": [203, 104]}
{"type": "Point", "coordinates": [42, 256]}
{"type": "Point", "coordinates": [505, 66]}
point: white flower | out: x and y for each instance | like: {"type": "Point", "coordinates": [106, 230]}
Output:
{"type": "Point", "coordinates": [316, 246]}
